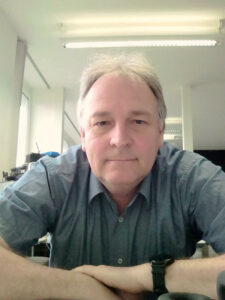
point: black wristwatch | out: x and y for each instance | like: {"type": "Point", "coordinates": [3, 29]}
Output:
{"type": "Point", "coordinates": [158, 275]}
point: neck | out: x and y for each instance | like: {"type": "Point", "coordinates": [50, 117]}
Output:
{"type": "Point", "coordinates": [122, 203]}
{"type": "Point", "coordinates": [122, 198]}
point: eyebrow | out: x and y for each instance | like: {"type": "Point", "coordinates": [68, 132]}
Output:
{"type": "Point", "coordinates": [100, 114]}
{"type": "Point", "coordinates": [141, 113]}
{"type": "Point", "coordinates": [133, 113]}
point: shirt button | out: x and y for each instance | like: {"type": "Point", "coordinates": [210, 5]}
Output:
{"type": "Point", "coordinates": [119, 261]}
{"type": "Point", "coordinates": [121, 219]}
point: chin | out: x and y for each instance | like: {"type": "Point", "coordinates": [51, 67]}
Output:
{"type": "Point", "coordinates": [122, 180]}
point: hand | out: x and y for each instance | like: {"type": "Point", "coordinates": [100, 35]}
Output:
{"type": "Point", "coordinates": [129, 296]}
{"type": "Point", "coordinates": [133, 280]}
{"type": "Point", "coordinates": [87, 288]}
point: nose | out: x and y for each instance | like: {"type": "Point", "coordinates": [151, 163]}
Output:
{"type": "Point", "coordinates": [120, 136]}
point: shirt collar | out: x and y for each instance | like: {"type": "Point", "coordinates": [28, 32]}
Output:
{"type": "Point", "coordinates": [96, 188]}
{"type": "Point", "coordinates": [144, 188]}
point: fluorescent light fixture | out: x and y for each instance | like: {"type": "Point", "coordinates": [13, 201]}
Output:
{"type": "Point", "coordinates": [173, 121]}
{"type": "Point", "coordinates": [171, 137]}
{"type": "Point", "coordinates": [141, 30]}
{"type": "Point", "coordinates": [141, 43]}
{"type": "Point", "coordinates": [139, 19]}
{"type": "Point", "coordinates": [139, 24]}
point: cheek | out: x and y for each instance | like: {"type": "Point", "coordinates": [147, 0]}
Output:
{"type": "Point", "coordinates": [95, 148]}
{"type": "Point", "coordinates": [148, 146]}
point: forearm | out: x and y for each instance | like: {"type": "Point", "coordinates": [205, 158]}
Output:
{"type": "Point", "coordinates": [22, 280]}
{"type": "Point", "coordinates": [195, 275]}
{"type": "Point", "coordinates": [135, 279]}
{"type": "Point", "coordinates": [189, 276]}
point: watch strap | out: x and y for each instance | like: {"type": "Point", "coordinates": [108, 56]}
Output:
{"type": "Point", "coordinates": [158, 275]}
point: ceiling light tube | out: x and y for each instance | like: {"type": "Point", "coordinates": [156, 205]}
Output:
{"type": "Point", "coordinates": [141, 43]}
{"type": "Point", "coordinates": [173, 121]}
{"type": "Point", "coordinates": [171, 137]}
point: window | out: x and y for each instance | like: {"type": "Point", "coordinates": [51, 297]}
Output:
{"type": "Point", "coordinates": [22, 142]}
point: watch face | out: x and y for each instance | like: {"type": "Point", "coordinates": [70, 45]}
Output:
{"type": "Point", "coordinates": [168, 261]}
{"type": "Point", "coordinates": [163, 262]}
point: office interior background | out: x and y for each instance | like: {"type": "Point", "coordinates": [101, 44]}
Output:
{"type": "Point", "coordinates": [39, 76]}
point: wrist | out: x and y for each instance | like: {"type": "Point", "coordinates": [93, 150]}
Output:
{"type": "Point", "coordinates": [159, 270]}
{"type": "Point", "coordinates": [143, 274]}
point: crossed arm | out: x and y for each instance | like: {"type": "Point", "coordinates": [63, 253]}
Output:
{"type": "Point", "coordinates": [190, 276]}
{"type": "Point", "coordinates": [21, 279]}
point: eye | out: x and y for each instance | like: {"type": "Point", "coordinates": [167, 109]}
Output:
{"type": "Point", "coordinates": [101, 123]}
{"type": "Point", "coordinates": [140, 122]}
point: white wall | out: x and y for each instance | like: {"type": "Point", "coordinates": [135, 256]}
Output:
{"type": "Point", "coordinates": [9, 106]}
{"type": "Point", "coordinates": [46, 119]}
{"type": "Point", "coordinates": [172, 96]}
{"type": "Point", "coordinates": [208, 104]}
{"type": "Point", "coordinates": [70, 134]}
{"type": "Point", "coordinates": [47, 106]}
{"type": "Point", "coordinates": [27, 90]}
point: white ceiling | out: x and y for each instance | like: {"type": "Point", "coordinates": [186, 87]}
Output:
{"type": "Point", "coordinates": [38, 23]}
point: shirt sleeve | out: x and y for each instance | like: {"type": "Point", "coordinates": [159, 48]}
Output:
{"type": "Point", "coordinates": [203, 188]}
{"type": "Point", "coordinates": [27, 209]}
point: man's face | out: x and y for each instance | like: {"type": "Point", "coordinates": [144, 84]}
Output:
{"type": "Point", "coordinates": [121, 134]}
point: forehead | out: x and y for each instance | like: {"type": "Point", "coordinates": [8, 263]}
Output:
{"type": "Point", "coordinates": [113, 92]}
{"type": "Point", "coordinates": [118, 82]}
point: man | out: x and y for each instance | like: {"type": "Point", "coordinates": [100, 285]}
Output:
{"type": "Point", "coordinates": [117, 203]}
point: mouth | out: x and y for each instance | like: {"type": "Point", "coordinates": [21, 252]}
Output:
{"type": "Point", "coordinates": [123, 160]}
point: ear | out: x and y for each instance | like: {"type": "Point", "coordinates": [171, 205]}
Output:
{"type": "Point", "coordinates": [83, 138]}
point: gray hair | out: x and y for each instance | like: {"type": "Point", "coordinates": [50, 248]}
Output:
{"type": "Point", "coordinates": [134, 66]}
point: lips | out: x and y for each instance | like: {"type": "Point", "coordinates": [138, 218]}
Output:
{"type": "Point", "coordinates": [123, 159]}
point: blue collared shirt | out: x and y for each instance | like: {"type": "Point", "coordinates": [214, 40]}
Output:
{"type": "Point", "coordinates": [181, 201]}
